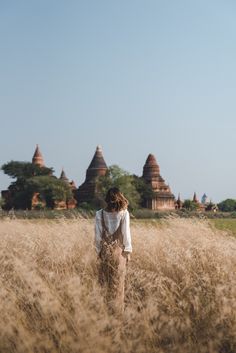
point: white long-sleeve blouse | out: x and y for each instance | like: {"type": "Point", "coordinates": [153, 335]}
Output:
{"type": "Point", "coordinates": [112, 222]}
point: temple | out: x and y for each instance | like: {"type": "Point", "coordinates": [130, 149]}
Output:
{"type": "Point", "coordinates": [38, 158]}
{"type": "Point", "coordinates": [179, 203]}
{"type": "Point", "coordinates": [66, 180]}
{"type": "Point", "coordinates": [204, 199]}
{"type": "Point", "coordinates": [70, 204]}
{"type": "Point", "coordinates": [162, 198]}
{"type": "Point", "coordinates": [199, 205]}
{"type": "Point", "coordinates": [87, 192]}
{"type": "Point", "coordinates": [63, 176]}
{"type": "Point", "coordinates": [195, 199]}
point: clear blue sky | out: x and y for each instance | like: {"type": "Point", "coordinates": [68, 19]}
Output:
{"type": "Point", "coordinates": [137, 77]}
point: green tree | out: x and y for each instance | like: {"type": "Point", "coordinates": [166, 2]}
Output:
{"type": "Point", "coordinates": [228, 205]}
{"type": "Point", "coordinates": [145, 191]}
{"type": "Point", "coordinates": [118, 177]}
{"type": "Point", "coordinates": [31, 178]}
{"type": "Point", "coordinates": [50, 189]}
{"type": "Point", "coordinates": [190, 205]}
{"type": "Point", "coordinates": [24, 170]}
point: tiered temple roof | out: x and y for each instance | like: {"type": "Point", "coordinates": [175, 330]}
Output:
{"type": "Point", "coordinates": [38, 157]}
{"type": "Point", "coordinates": [87, 191]}
{"type": "Point", "coordinates": [163, 199]}
{"type": "Point", "coordinates": [97, 166]}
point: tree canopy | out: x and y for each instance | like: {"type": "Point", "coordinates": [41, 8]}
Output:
{"type": "Point", "coordinates": [118, 177]}
{"type": "Point", "coordinates": [228, 205]}
{"type": "Point", "coordinates": [190, 205]}
{"type": "Point", "coordinates": [50, 189]}
{"type": "Point", "coordinates": [31, 179]}
{"type": "Point", "coordinates": [135, 189]}
{"type": "Point", "coordinates": [24, 170]}
{"type": "Point", "coordinates": [145, 191]}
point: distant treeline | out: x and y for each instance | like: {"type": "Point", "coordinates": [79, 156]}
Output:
{"type": "Point", "coordinates": [228, 205]}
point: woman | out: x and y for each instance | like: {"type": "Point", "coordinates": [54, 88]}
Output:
{"type": "Point", "coordinates": [113, 245]}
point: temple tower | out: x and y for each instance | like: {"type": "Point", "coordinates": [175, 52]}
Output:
{"type": "Point", "coordinates": [97, 166]}
{"type": "Point", "coordinates": [38, 158]}
{"type": "Point", "coordinates": [163, 198]}
{"type": "Point", "coordinates": [204, 199]}
{"type": "Point", "coordinates": [66, 180]}
{"type": "Point", "coordinates": [179, 203]}
{"type": "Point", "coordinates": [195, 199]}
{"type": "Point", "coordinates": [87, 192]}
{"type": "Point", "coordinates": [200, 206]}
{"type": "Point", "coordinates": [63, 176]}
{"type": "Point", "coordinates": [70, 204]}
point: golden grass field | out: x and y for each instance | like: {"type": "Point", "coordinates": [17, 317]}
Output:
{"type": "Point", "coordinates": [228, 224]}
{"type": "Point", "coordinates": [180, 289]}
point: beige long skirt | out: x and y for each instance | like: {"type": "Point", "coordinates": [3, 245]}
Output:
{"type": "Point", "coordinates": [112, 271]}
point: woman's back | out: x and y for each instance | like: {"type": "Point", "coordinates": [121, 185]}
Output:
{"type": "Point", "coordinates": [112, 221]}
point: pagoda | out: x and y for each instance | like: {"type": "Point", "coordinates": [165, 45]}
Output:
{"type": "Point", "coordinates": [179, 203]}
{"type": "Point", "coordinates": [162, 198]}
{"type": "Point", "coordinates": [199, 206]}
{"type": "Point", "coordinates": [70, 204]}
{"type": "Point", "coordinates": [63, 176]}
{"type": "Point", "coordinates": [66, 180]}
{"type": "Point", "coordinates": [38, 158]}
{"type": "Point", "coordinates": [204, 199]}
{"type": "Point", "coordinates": [195, 199]}
{"type": "Point", "coordinates": [87, 192]}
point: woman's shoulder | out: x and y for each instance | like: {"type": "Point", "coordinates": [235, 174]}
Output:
{"type": "Point", "coordinates": [123, 213]}
{"type": "Point", "coordinates": [98, 213]}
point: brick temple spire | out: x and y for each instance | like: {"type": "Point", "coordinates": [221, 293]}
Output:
{"type": "Point", "coordinates": [162, 197]}
{"type": "Point", "coordinates": [63, 176]}
{"type": "Point", "coordinates": [97, 166]}
{"type": "Point", "coordinates": [151, 169]}
{"type": "Point", "coordinates": [37, 157]}
{"type": "Point", "coordinates": [88, 190]}
{"type": "Point", "coordinates": [179, 203]}
{"type": "Point", "coordinates": [195, 199]}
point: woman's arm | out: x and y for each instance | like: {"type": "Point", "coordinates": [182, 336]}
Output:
{"type": "Point", "coordinates": [126, 233]}
{"type": "Point", "coordinates": [98, 235]}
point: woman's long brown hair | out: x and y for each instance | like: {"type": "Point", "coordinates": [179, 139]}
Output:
{"type": "Point", "coordinates": [115, 200]}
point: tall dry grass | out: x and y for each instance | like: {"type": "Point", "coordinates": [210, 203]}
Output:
{"type": "Point", "coordinates": [180, 290]}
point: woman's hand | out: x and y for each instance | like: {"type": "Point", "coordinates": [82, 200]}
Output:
{"type": "Point", "coordinates": [126, 254]}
